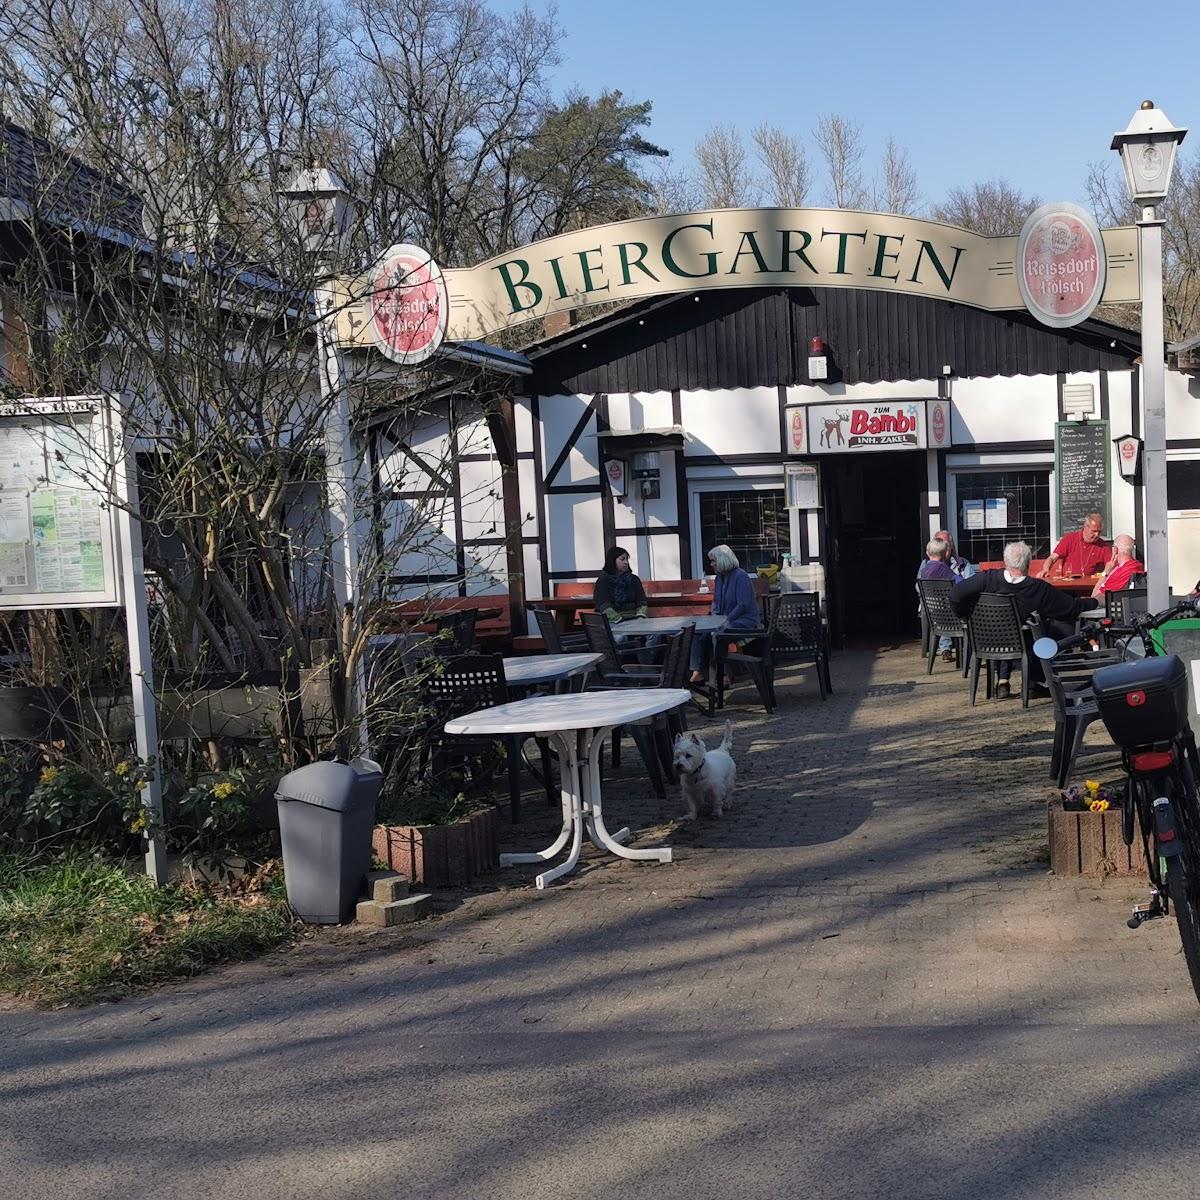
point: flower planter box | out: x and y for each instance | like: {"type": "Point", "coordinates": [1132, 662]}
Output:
{"type": "Point", "coordinates": [1090, 843]}
{"type": "Point", "coordinates": [440, 855]}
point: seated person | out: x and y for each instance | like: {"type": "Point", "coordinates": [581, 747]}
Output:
{"type": "Point", "coordinates": [733, 598]}
{"type": "Point", "coordinates": [618, 593]}
{"type": "Point", "coordinates": [1121, 568]}
{"type": "Point", "coordinates": [1058, 609]}
{"type": "Point", "coordinates": [1081, 552]}
{"type": "Point", "coordinates": [935, 566]}
{"type": "Point", "coordinates": [959, 565]}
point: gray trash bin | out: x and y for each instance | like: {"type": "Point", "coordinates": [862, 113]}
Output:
{"type": "Point", "coordinates": [326, 814]}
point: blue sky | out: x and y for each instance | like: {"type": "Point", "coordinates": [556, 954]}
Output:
{"type": "Point", "coordinates": [1029, 92]}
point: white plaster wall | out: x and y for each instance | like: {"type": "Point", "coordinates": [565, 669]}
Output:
{"type": "Point", "coordinates": [639, 410]}
{"type": "Point", "coordinates": [1183, 407]}
{"type": "Point", "coordinates": [999, 409]}
{"type": "Point", "coordinates": [901, 389]}
{"type": "Point", "coordinates": [735, 421]}
{"type": "Point", "coordinates": [481, 487]}
{"type": "Point", "coordinates": [559, 416]}
{"type": "Point", "coordinates": [523, 417]}
{"type": "Point", "coordinates": [576, 533]}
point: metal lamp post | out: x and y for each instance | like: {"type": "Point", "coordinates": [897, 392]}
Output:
{"type": "Point", "coordinates": [321, 207]}
{"type": "Point", "coordinates": [1147, 148]}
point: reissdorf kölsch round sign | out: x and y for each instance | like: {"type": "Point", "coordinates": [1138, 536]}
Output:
{"type": "Point", "coordinates": [407, 305]}
{"type": "Point", "coordinates": [1061, 264]}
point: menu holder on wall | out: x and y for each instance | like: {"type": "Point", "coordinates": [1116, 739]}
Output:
{"type": "Point", "coordinates": [1081, 472]}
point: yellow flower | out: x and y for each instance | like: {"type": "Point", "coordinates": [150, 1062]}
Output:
{"type": "Point", "coordinates": [1099, 806]}
{"type": "Point", "coordinates": [141, 783]}
{"type": "Point", "coordinates": [138, 823]}
{"type": "Point", "coordinates": [223, 790]}
{"type": "Point", "coordinates": [122, 768]}
{"type": "Point", "coordinates": [49, 774]}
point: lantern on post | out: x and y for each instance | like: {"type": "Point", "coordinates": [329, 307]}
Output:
{"type": "Point", "coordinates": [321, 209]}
{"type": "Point", "coordinates": [1147, 148]}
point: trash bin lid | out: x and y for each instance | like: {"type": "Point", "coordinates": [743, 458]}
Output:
{"type": "Point", "coordinates": [333, 785]}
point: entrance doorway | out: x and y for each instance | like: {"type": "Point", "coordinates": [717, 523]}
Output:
{"type": "Point", "coordinates": [876, 542]}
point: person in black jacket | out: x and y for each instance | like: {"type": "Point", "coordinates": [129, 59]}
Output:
{"type": "Point", "coordinates": [1058, 609]}
{"type": "Point", "coordinates": [618, 593]}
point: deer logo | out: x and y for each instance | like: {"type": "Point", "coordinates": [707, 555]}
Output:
{"type": "Point", "coordinates": [833, 426]}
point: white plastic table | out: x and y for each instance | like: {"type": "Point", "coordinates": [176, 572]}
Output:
{"type": "Point", "coordinates": [637, 626]}
{"type": "Point", "coordinates": [546, 668]}
{"type": "Point", "coordinates": [577, 724]}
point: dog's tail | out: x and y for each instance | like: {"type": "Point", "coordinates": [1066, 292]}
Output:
{"type": "Point", "coordinates": [727, 740]}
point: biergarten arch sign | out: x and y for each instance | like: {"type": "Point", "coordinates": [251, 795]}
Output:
{"type": "Point", "coordinates": [738, 248]}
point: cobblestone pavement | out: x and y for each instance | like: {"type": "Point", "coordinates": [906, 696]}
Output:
{"type": "Point", "coordinates": [881, 885]}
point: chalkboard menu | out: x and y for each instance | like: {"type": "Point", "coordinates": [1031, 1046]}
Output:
{"type": "Point", "coordinates": [1081, 457]}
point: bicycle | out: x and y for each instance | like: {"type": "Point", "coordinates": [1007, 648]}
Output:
{"type": "Point", "coordinates": [1144, 706]}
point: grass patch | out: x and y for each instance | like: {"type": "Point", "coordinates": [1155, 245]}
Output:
{"type": "Point", "coordinates": [79, 929]}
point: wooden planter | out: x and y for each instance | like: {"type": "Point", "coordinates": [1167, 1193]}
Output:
{"type": "Point", "coordinates": [440, 855]}
{"type": "Point", "coordinates": [1090, 843]}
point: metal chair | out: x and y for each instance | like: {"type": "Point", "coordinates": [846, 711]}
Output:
{"type": "Point", "coordinates": [997, 634]}
{"type": "Point", "coordinates": [943, 621]}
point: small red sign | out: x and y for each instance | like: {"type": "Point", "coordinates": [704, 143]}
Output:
{"type": "Point", "coordinates": [1061, 264]}
{"type": "Point", "coordinates": [407, 305]}
{"type": "Point", "coordinates": [797, 431]}
{"type": "Point", "coordinates": [939, 424]}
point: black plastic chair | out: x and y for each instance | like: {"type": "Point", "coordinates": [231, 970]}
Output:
{"type": "Point", "coordinates": [461, 627]}
{"type": "Point", "coordinates": [611, 668]}
{"type": "Point", "coordinates": [794, 633]}
{"type": "Point", "coordinates": [997, 634]}
{"type": "Point", "coordinates": [1069, 681]}
{"type": "Point", "coordinates": [1120, 606]}
{"type": "Point", "coordinates": [943, 621]}
{"type": "Point", "coordinates": [465, 684]}
{"type": "Point", "coordinates": [556, 641]}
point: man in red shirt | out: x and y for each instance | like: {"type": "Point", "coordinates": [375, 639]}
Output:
{"type": "Point", "coordinates": [1122, 567]}
{"type": "Point", "coordinates": [1081, 552]}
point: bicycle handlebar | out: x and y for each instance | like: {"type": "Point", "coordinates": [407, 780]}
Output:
{"type": "Point", "coordinates": [1140, 624]}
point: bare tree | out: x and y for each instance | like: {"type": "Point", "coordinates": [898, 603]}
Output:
{"type": "Point", "coordinates": [895, 191]}
{"type": "Point", "coordinates": [840, 143]}
{"type": "Point", "coordinates": [674, 192]}
{"type": "Point", "coordinates": [784, 164]}
{"type": "Point", "coordinates": [1109, 199]}
{"type": "Point", "coordinates": [725, 178]}
{"type": "Point", "coordinates": [994, 208]}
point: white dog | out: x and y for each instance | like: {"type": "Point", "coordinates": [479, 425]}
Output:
{"type": "Point", "coordinates": [706, 776]}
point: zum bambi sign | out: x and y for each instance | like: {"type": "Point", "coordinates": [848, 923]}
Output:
{"type": "Point", "coordinates": [850, 428]}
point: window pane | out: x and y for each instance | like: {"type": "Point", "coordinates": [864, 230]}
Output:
{"type": "Point", "coordinates": [754, 524]}
{"type": "Point", "coordinates": [1026, 508]}
{"type": "Point", "coordinates": [1183, 484]}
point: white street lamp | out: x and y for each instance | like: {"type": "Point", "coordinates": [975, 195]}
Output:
{"type": "Point", "coordinates": [322, 207]}
{"type": "Point", "coordinates": [1147, 148]}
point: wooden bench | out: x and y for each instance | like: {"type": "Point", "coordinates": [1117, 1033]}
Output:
{"type": "Point", "coordinates": [493, 628]}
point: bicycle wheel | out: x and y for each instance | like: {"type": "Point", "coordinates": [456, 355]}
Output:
{"type": "Point", "coordinates": [1183, 876]}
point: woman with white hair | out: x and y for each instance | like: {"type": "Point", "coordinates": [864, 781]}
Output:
{"type": "Point", "coordinates": [733, 598]}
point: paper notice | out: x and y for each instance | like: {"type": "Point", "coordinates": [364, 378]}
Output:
{"type": "Point", "coordinates": [14, 569]}
{"type": "Point", "coordinates": [972, 514]}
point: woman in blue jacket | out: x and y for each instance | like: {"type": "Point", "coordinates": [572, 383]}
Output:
{"type": "Point", "coordinates": [733, 598]}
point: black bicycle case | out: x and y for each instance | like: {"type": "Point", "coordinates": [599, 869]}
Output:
{"type": "Point", "coordinates": [1143, 702]}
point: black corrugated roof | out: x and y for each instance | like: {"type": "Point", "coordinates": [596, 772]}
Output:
{"type": "Point", "coordinates": [62, 188]}
{"type": "Point", "coordinates": [760, 337]}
